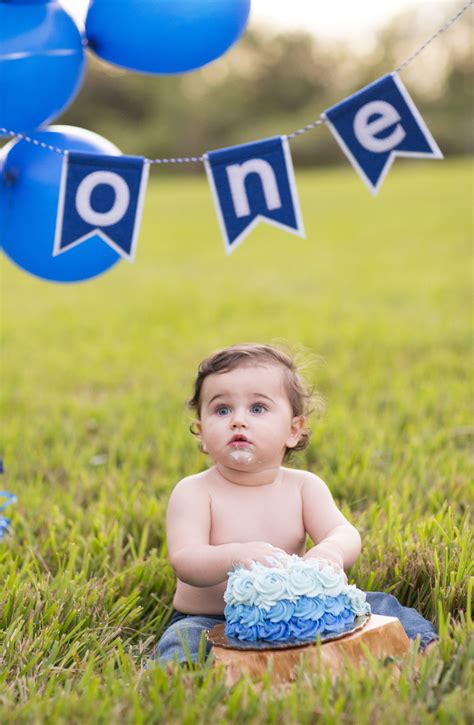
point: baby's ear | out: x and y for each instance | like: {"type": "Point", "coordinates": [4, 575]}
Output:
{"type": "Point", "coordinates": [297, 425]}
{"type": "Point", "coordinates": [195, 428]}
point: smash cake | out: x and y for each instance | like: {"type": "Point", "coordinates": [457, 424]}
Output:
{"type": "Point", "coordinates": [296, 600]}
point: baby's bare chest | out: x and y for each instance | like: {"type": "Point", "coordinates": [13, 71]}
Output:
{"type": "Point", "coordinates": [254, 515]}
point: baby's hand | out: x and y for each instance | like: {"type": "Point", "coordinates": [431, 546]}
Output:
{"type": "Point", "coordinates": [260, 551]}
{"type": "Point", "coordinates": [326, 557]}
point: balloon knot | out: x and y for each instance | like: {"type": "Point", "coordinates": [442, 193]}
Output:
{"type": "Point", "coordinates": [10, 176]}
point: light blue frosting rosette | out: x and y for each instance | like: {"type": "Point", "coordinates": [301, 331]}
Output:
{"type": "Point", "coordinates": [281, 611]}
{"type": "Point", "coordinates": [334, 605]}
{"type": "Point", "coordinates": [237, 613]}
{"type": "Point", "coordinates": [250, 615]}
{"type": "Point", "coordinates": [309, 608]}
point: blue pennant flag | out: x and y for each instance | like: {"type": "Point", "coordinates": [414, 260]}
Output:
{"type": "Point", "coordinates": [378, 123]}
{"type": "Point", "coordinates": [254, 182]}
{"type": "Point", "coordinates": [100, 196]}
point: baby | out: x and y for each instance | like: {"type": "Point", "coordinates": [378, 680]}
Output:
{"type": "Point", "coordinates": [251, 406]}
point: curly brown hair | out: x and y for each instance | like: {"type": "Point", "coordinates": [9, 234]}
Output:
{"type": "Point", "coordinates": [301, 397]}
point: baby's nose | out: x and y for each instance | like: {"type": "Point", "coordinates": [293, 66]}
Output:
{"type": "Point", "coordinates": [238, 421]}
{"type": "Point", "coordinates": [239, 424]}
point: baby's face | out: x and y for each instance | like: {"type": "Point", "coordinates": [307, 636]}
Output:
{"type": "Point", "coordinates": [246, 417]}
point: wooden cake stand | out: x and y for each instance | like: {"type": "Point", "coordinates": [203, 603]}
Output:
{"type": "Point", "coordinates": [380, 637]}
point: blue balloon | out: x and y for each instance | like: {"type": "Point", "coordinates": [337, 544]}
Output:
{"type": "Point", "coordinates": [164, 36]}
{"type": "Point", "coordinates": [42, 63]}
{"type": "Point", "coordinates": [29, 193]}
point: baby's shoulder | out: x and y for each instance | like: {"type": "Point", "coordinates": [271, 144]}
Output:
{"type": "Point", "coordinates": [296, 475]}
{"type": "Point", "coordinates": [303, 479]}
{"type": "Point", "coordinates": [195, 482]}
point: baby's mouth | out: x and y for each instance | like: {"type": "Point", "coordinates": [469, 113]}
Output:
{"type": "Point", "coordinates": [239, 441]}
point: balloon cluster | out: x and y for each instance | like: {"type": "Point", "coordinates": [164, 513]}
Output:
{"type": "Point", "coordinates": [42, 63]}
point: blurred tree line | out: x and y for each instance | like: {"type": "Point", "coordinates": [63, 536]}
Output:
{"type": "Point", "coordinates": [271, 84]}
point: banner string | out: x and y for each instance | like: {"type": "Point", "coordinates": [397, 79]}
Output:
{"type": "Point", "coordinates": [401, 67]}
{"type": "Point", "coordinates": [294, 134]}
{"type": "Point", "coordinates": [444, 27]}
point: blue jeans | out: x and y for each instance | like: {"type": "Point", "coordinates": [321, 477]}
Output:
{"type": "Point", "coordinates": [184, 634]}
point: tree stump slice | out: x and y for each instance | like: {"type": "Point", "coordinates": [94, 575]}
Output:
{"type": "Point", "coordinates": [381, 637]}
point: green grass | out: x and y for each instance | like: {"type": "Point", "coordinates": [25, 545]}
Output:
{"type": "Point", "coordinates": [377, 299]}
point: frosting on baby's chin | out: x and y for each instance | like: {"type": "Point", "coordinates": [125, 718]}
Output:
{"type": "Point", "coordinates": [241, 455]}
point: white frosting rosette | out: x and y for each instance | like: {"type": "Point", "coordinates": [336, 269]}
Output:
{"type": "Point", "coordinates": [241, 587]}
{"type": "Point", "coordinates": [332, 581]}
{"type": "Point", "coordinates": [272, 585]}
{"type": "Point", "coordinates": [358, 603]}
{"type": "Point", "coordinates": [305, 580]}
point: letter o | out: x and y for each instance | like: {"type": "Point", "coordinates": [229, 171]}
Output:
{"type": "Point", "coordinates": [119, 207]}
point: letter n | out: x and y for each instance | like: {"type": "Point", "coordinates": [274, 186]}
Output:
{"type": "Point", "coordinates": [236, 175]}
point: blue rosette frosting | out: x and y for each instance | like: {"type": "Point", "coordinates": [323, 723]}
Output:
{"type": "Point", "coordinates": [295, 600]}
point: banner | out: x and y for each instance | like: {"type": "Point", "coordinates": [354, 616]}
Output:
{"type": "Point", "coordinates": [378, 123]}
{"type": "Point", "coordinates": [100, 196]}
{"type": "Point", "coordinates": [251, 183]}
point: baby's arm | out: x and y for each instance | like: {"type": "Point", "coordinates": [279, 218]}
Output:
{"type": "Point", "coordinates": [336, 539]}
{"type": "Point", "coordinates": [188, 526]}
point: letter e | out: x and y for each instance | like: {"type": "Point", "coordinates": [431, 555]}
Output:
{"type": "Point", "coordinates": [365, 131]}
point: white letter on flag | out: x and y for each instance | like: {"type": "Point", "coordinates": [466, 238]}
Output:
{"type": "Point", "coordinates": [365, 131]}
{"type": "Point", "coordinates": [236, 175]}
{"type": "Point", "coordinates": [121, 201]}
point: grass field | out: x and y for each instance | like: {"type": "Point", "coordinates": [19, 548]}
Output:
{"type": "Point", "coordinates": [377, 301]}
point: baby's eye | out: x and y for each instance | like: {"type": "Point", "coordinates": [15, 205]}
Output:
{"type": "Point", "coordinates": [258, 408]}
{"type": "Point", "coordinates": [223, 410]}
